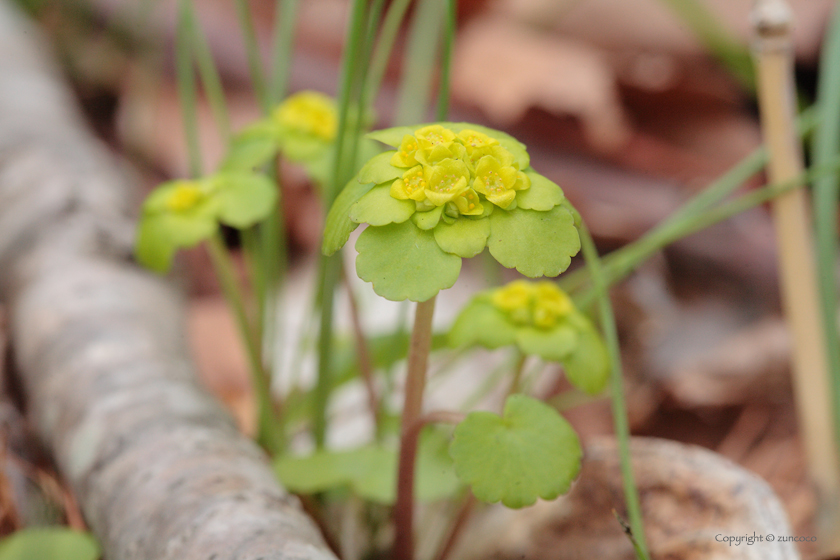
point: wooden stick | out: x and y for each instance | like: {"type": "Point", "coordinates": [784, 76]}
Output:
{"type": "Point", "coordinates": [792, 217]}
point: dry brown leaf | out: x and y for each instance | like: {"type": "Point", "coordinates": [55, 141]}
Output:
{"type": "Point", "coordinates": [506, 68]}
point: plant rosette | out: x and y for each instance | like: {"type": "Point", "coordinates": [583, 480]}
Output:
{"type": "Point", "coordinates": [303, 128]}
{"type": "Point", "coordinates": [182, 213]}
{"type": "Point", "coordinates": [445, 193]}
{"type": "Point", "coordinates": [539, 319]}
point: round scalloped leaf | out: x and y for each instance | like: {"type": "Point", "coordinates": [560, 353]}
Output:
{"type": "Point", "coordinates": [245, 198]}
{"type": "Point", "coordinates": [338, 225]}
{"type": "Point", "coordinates": [392, 136]}
{"type": "Point", "coordinates": [530, 452]}
{"type": "Point", "coordinates": [481, 323]}
{"type": "Point", "coordinates": [542, 195]}
{"type": "Point", "coordinates": [251, 149]}
{"type": "Point", "coordinates": [465, 237]}
{"type": "Point", "coordinates": [160, 235]}
{"type": "Point", "coordinates": [379, 208]}
{"type": "Point", "coordinates": [428, 219]}
{"type": "Point", "coordinates": [404, 262]}
{"type": "Point", "coordinates": [49, 543]}
{"type": "Point", "coordinates": [535, 243]}
{"type": "Point", "coordinates": [379, 169]}
{"type": "Point", "coordinates": [549, 344]}
{"type": "Point", "coordinates": [588, 366]}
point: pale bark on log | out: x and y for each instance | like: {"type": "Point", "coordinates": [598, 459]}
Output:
{"type": "Point", "coordinates": [159, 468]}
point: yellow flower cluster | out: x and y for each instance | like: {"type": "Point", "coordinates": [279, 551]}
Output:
{"type": "Point", "coordinates": [184, 196]}
{"type": "Point", "coordinates": [308, 113]}
{"type": "Point", "coordinates": [538, 304]}
{"type": "Point", "coordinates": [452, 170]}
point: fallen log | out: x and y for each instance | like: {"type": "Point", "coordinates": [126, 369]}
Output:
{"type": "Point", "coordinates": [158, 466]}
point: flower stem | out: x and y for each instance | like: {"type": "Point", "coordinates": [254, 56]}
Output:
{"type": "Point", "coordinates": [284, 34]}
{"type": "Point", "coordinates": [622, 429]}
{"type": "Point", "coordinates": [415, 383]}
{"type": "Point", "coordinates": [826, 144]}
{"type": "Point", "coordinates": [246, 23]}
{"type": "Point", "coordinates": [186, 86]}
{"type": "Point", "coordinates": [330, 267]}
{"type": "Point", "coordinates": [517, 374]}
{"type": "Point", "coordinates": [446, 59]}
{"type": "Point", "coordinates": [268, 434]}
{"type": "Point", "coordinates": [404, 507]}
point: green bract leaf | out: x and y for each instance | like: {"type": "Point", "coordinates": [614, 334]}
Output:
{"type": "Point", "coordinates": [245, 198]}
{"type": "Point", "coordinates": [392, 136]}
{"type": "Point", "coordinates": [379, 208]}
{"type": "Point", "coordinates": [379, 169]}
{"type": "Point", "coordinates": [542, 195]}
{"type": "Point", "coordinates": [481, 323]}
{"type": "Point", "coordinates": [252, 148]}
{"type": "Point", "coordinates": [531, 452]}
{"type": "Point", "coordinates": [549, 344]}
{"type": "Point", "coordinates": [338, 225]}
{"type": "Point", "coordinates": [428, 219]}
{"type": "Point", "coordinates": [535, 243]}
{"type": "Point", "coordinates": [370, 471]}
{"type": "Point", "coordinates": [588, 366]}
{"type": "Point", "coordinates": [465, 237]}
{"type": "Point", "coordinates": [160, 235]}
{"type": "Point", "coordinates": [572, 210]}
{"type": "Point", "coordinates": [49, 543]}
{"type": "Point", "coordinates": [404, 262]}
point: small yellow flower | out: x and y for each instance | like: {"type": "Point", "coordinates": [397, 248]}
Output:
{"type": "Point", "coordinates": [468, 203]}
{"type": "Point", "coordinates": [473, 139]}
{"type": "Point", "coordinates": [540, 304]}
{"type": "Point", "coordinates": [412, 185]}
{"type": "Point", "coordinates": [446, 180]}
{"type": "Point", "coordinates": [515, 300]}
{"type": "Point", "coordinates": [550, 304]}
{"type": "Point", "coordinates": [436, 144]}
{"type": "Point", "coordinates": [309, 113]}
{"type": "Point", "coordinates": [474, 156]}
{"type": "Point", "coordinates": [185, 196]}
{"type": "Point", "coordinates": [404, 157]}
{"type": "Point", "coordinates": [495, 181]}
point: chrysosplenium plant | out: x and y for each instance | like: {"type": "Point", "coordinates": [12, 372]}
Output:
{"type": "Point", "coordinates": [445, 193]}
{"type": "Point", "coordinates": [182, 213]}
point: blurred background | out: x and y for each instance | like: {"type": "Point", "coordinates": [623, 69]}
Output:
{"type": "Point", "coordinates": [630, 105]}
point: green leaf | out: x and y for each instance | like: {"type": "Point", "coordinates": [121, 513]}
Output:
{"type": "Point", "coordinates": [531, 452]}
{"type": "Point", "coordinates": [302, 148]}
{"type": "Point", "coordinates": [572, 210]}
{"type": "Point", "coordinates": [535, 243]}
{"type": "Point", "coordinates": [339, 226]}
{"type": "Point", "coordinates": [379, 208]}
{"type": "Point", "coordinates": [371, 471]}
{"type": "Point", "coordinates": [252, 148]}
{"type": "Point", "coordinates": [392, 136]}
{"type": "Point", "coordinates": [404, 262]}
{"type": "Point", "coordinates": [549, 344]}
{"type": "Point", "coordinates": [429, 219]}
{"type": "Point", "coordinates": [542, 195]}
{"type": "Point", "coordinates": [245, 198]}
{"type": "Point", "coordinates": [481, 323]}
{"type": "Point", "coordinates": [160, 235]}
{"type": "Point", "coordinates": [465, 237]}
{"type": "Point", "coordinates": [379, 169]}
{"type": "Point", "coordinates": [588, 366]}
{"type": "Point", "coordinates": [49, 543]}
